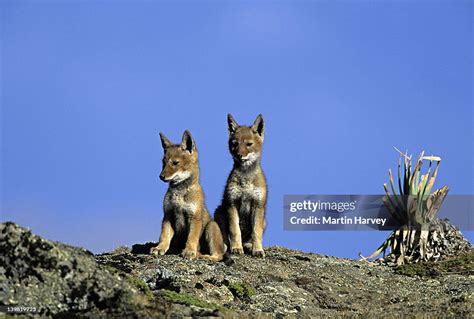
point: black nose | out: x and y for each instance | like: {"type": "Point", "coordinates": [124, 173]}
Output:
{"type": "Point", "coordinates": [162, 177]}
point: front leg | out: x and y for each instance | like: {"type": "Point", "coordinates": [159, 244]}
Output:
{"type": "Point", "coordinates": [167, 234]}
{"type": "Point", "coordinates": [258, 226]}
{"type": "Point", "coordinates": [234, 230]}
{"type": "Point", "coordinates": [195, 231]}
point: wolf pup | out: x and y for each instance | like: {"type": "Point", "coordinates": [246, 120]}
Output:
{"type": "Point", "coordinates": [187, 226]}
{"type": "Point", "coordinates": [241, 216]}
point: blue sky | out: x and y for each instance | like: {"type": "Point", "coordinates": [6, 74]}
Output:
{"type": "Point", "coordinates": [86, 87]}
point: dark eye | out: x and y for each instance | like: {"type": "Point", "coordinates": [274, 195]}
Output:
{"type": "Point", "coordinates": [249, 144]}
{"type": "Point", "coordinates": [175, 163]}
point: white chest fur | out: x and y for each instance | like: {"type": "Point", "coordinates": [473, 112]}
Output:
{"type": "Point", "coordinates": [177, 201]}
{"type": "Point", "coordinates": [246, 191]}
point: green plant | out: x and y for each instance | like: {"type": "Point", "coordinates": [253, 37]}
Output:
{"type": "Point", "coordinates": [241, 290]}
{"type": "Point", "coordinates": [189, 300]}
{"type": "Point", "coordinates": [414, 207]}
{"type": "Point", "coordinates": [134, 281]}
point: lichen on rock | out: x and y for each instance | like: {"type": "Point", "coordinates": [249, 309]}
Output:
{"type": "Point", "coordinates": [62, 280]}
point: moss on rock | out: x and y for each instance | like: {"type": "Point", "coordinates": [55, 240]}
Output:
{"type": "Point", "coordinates": [189, 300]}
{"type": "Point", "coordinates": [241, 290]}
{"type": "Point", "coordinates": [462, 265]}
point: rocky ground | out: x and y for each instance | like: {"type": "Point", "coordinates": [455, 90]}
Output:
{"type": "Point", "coordinates": [64, 281]}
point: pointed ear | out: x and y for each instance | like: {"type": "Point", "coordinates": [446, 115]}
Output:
{"type": "Point", "coordinates": [258, 126]}
{"type": "Point", "coordinates": [165, 142]}
{"type": "Point", "coordinates": [187, 143]}
{"type": "Point", "coordinates": [233, 125]}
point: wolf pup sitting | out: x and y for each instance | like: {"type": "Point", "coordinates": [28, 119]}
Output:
{"type": "Point", "coordinates": [241, 216]}
{"type": "Point", "coordinates": [187, 226]}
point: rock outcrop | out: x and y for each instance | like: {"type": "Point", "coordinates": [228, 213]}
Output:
{"type": "Point", "coordinates": [64, 281]}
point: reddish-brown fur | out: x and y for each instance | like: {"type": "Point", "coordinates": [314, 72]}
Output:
{"type": "Point", "coordinates": [187, 227]}
{"type": "Point", "coordinates": [241, 216]}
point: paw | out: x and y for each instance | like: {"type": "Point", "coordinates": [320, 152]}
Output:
{"type": "Point", "coordinates": [237, 251]}
{"type": "Point", "coordinates": [189, 254]}
{"type": "Point", "coordinates": [258, 253]}
{"type": "Point", "coordinates": [158, 250]}
{"type": "Point", "coordinates": [248, 246]}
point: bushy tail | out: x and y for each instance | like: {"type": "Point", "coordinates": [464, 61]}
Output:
{"type": "Point", "coordinates": [217, 248]}
{"type": "Point", "coordinates": [225, 258]}
{"type": "Point", "coordinates": [211, 257]}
